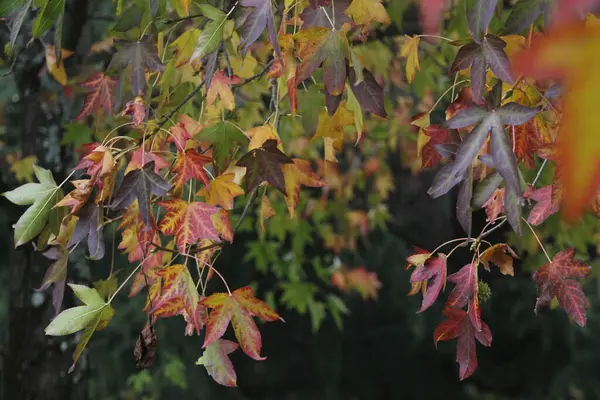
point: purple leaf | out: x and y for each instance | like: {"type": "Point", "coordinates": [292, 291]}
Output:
{"type": "Point", "coordinates": [466, 117]}
{"type": "Point", "coordinates": [140, 184]}
{"type": "Point", "coordinates": [444, 181]}
{"type": "Point", "coordinates": [478, 77]}
{"type": "Point", "coordinates": [255, 23]}
{"type": "Point", "coordinates": [512, 207]}
{"type": "Point", "coordinates": [493, 52]}
{"type": "Point", "coordinates": [516, 114]}
{"type": "Point", "coordinates": [332, 102]}
{"type": "Point", "coordinates": [434, 272]}
{"type": "Point", "coordinates": [479, 16]}
{"type": "Point", "coordinates": [335, 67]}
{"type": "Point", "coordinates": [554, 91]}
{"type": "Point", "coordinates": [463, 203]}
{"type": "Point", "coordinates": [504, 158]}
{"type": "Point", "coordinates": [368, 93]}
{"type": "Point", "coordinates": [316, 14]}
{"type": "Point", "coordinates": [487, 160]}
{"type": "Point", "coordinates": [446, 149]}
{"type": "Point", "coordinates": [465, 56]}
{"type": "Point", "coordinates": [210, 67]}
{"type": "Point", "coordinates": [494, 96]}
{"type": "Point", "coordinates": [141, 56]}
{"type": "Point", "coordinates": [90, 225]}
{"type": "Point", "coordinates": [485, 189]}
{"type": "Point", "coordinates": [56, 274]}
{"type": "Point", "coordinates": [472, 144]}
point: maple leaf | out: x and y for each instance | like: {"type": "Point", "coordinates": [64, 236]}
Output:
{"type": "Point", "coordinates": [365, 11]}
{"type": "Point", "coordinates": [364, 282]}
{"type": "Point", "coordinates": [179, 296]}
{"type": "Point", "coordinates": [221, 191]}
{"type": "Point", "coordinates": [225, 139]}
{"type": "Point", "coordinates": [140, 184]}
{"type": "Point", "coordinates": [189, 222]}
{"type": "Point", "coordinates": [260, 134]}
{"type": "Point", "coordinates": [259, 18]}
{"type": "Point", "coordinates": [316, 46]}
{"type": "Point", "coordinates": [56, 275]}
{"type": "Point", "coordinates": [136, 237]}
{"type": "Point", "coordinates": [567, 52]}
{"type": "Point", "coordinates": [319, 14]}
{"type": "Point", "coordinates": [477, 56]}
{"type": "Point", "coordinates": [145, 347]}
{"type": "Point", "coordinates": [89, 225]}
{"type": "Point", "coordinates": [465, 292]}
{"type": "Point", "coordinates": [497, 254]}
{"type": "Point", "coordinates": [296, 174]}
{"type": "Point", "coordinates": [266, 211]}
{"type": "Point", "coordinates": [220, 85]}
{"type": "Point", "coordinates": [189, 165]}
{"type": "Point", "coordinates": [430, 155]}
{"type": "Point", "coordinates": [527, 141]}
{"type": "Point", "coordinates": [368, 92]}
{"type": "Point", "coordinates": [238, 307]}
{"type": "Point", "coordinates": [141, 56]}
{"type": "Point", "coordinates": [217, 363]}
{"type": "Point", "coordinates": [333, 126]}
{"type": "Point", "coordinates": [57, 67]}
{"type": "Point", "coordinates": [265, 164]}
{"type": "Point", "coordinates": [142, 157]}
{"type": "Point", "coordinates": [545, 207]}
{"type": "Point", "coordinates": [458, 325]}
{"type": "Point", "coordinates": [41, 197]}
{"type": "Point", "coordinates": [494, 205]}
{"type": "Point", "coordinates": [410, 50]}
{"type": "Point", "coordinates": [179, 135]}
{"type": "Point", "coordinates": [557, 279]}
{"type": "Point", "coordinates": [136, 109]}
{"type": "Point", "coordinates": [433, 271]}
{"type": "Point", "coordinates": [100, 94]}
{"type": "Point", "coordinates": [77, 197]}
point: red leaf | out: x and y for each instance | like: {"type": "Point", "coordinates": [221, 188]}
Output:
{"type": "Point", "coordinates": [238, 308]}
{"type": "Point", "coordinates": [556, 279]}
{"type": "Point", "coordinates": [431, 14]}
{"type": "Point", "coordinates": [466, 284]}
{"type": "Point", "coordinates": [457, 325]}
{"type": "Point", "coordinates": [434, 272]}
{"type": "Point", "coordinates": [179, 296]}
{"type": "Point", "coordinates": [438, 135]}
{"type": "Point", "coordinates": [189, 222]}
{"type": "Point", "coordinates": [189, 165]}
{"type": "Point", "coordinates": [545, 206]}
{"type": "Point", "coordinates": [100, 94]}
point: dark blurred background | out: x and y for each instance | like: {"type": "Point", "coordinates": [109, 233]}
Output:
{"type": "Point", "coordinates": [384, 350]}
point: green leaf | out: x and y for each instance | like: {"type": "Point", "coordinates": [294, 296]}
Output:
{"type": "Point", "coordinates": [211, 12]}
{"type": "Point", "coordinates": [224, 138]}
{"type": "Point", "coordinates": [100, 321]}
{"type": "Point", "coordinates": [89, 296]}
{"type": "Point", "coordinates": [6, 6]}
{"type": "Point", "coordinates": [50, 11]}
{"type": "Point", "coordinates": [209, 39]}
{"type": "Point", "coordinates": [42, 197]}
{"type": "Point", "coordinates": [72, 320]}
{"type": "Point", "coordinates": [17, 19]}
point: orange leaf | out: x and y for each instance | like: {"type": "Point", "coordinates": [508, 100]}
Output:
{"type": "Point", "coordinates": [179, 296]}
{"type": "Point", "coordinates": [189, 222]}
{"type": "Point", "coordinates": [297, 174]}
{"type": "Point", "coordinates": [570, 52]}
{"type": "Point", "coordinates": [237, 308]}
{"type": "Point", "coordinates": [189, 165]}
{"type": "Point", "coordinates": [221, 191]}
{"type": "Point", "coordinates": [101, 88]}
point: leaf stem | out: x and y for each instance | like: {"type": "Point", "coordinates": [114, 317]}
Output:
{"type": "Point", "coordinates": [435, 37]}
{"type": "Point", "coordinates": [538, 240]}
{"type": "Point", "coordinates": [446, 92]}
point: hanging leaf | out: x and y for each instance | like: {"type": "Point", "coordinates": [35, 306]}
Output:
{"type": "Point", "coordinates": [264, 164]}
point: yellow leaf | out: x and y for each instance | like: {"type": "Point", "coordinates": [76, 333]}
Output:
{"type": "Point", "coordinates": [23, 169]}
{"type": "Point", "coordinates": [221, 191]}
{"type": "Point", "coordinates": [185, 4]}
{"type": "Point", "coordinates": [260, 134]}
{"type": "Point", "coordinates": [410, 50]}
{"type": "Point", "coordinates": [333, 127]}
{"type": "Point", "coordinates": [57, 70]}
{"type": "Point", "coordinates": [354, 106]}
{"type": "Point", "coordinates": [185, 44]}
{"type": "Point", "coordinates": [266, 211]}
{"type": "Point", "coordinates": [297, 174]}
{"type": "Point", "coordinates": [365, 11]}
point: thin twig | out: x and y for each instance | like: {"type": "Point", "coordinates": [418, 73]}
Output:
{"type": "Point", "coordinates": [539, 173]}
{"type": "Point", "coordinates": [253, 77]}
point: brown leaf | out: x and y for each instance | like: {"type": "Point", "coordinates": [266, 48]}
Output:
{"type": "Point", "coordinates": [145, 348]}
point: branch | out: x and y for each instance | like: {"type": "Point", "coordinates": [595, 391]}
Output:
{"type": "Point", "coordinates": [254, 77]}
